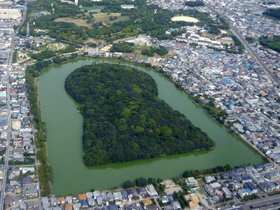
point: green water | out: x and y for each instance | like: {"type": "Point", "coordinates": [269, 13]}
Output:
{"type": "Point", "coordinates": [64, 132]}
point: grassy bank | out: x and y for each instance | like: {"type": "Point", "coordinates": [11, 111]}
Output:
{"type": "Point", "coordinates": [32, 74]}
{"type": "Point", "coordinates": [43, 167]}
{"type": "Point", "coordinates": [44, 170]}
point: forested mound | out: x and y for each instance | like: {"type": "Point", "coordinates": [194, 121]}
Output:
{"type": "Point", "coordinates": [125, 120]}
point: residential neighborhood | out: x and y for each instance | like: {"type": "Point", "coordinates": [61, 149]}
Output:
{"type": "Point", "coordinates": [239, 80]}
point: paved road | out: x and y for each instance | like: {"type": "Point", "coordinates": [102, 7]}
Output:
{"type": "Point", "coordinates": [252, 53]}
{"type": "Point", "coordinates": [272, 202]}
{"type": "Point", "coordinates": [9, 129]}
{"type": "Point", "coordinates": [270, 73]}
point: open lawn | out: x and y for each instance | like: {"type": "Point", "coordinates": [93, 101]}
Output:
{"type": "Point", "coordinates": [77, 21]}
{"type": "Point", "coordinates": [109, 18]}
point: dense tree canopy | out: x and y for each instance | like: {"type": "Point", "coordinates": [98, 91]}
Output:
{"type": "Point", "coordinates": [151, 51]}
{"type": "Point", "coordinates": [143, 19]}
{"type": "Point", "coordinates": [196, 3]}
{"type": "Point", "coordinates": [271, 42]}
{"type": "Point", "coordinates": [125, 120]}
{"type": "Point", "coordinates": [273, 12]}
{"type": "Point", "coordinates": [124, 47]}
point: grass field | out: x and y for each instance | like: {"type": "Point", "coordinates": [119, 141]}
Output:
{"type": "Point", "coordinates": [108, 18]}
{"type": "Point", "coordinates": [104, 18]}
{"type": "Point", "coordinates": [77, 21]}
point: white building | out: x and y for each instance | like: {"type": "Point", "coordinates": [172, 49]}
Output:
{"type": "Point", "coordinates": [76, 2]}
{"type": "Point", "coordinates": [10, 13]}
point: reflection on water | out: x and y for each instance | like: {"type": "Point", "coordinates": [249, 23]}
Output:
{"type": "Point", "coordinates": [64, 132]}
